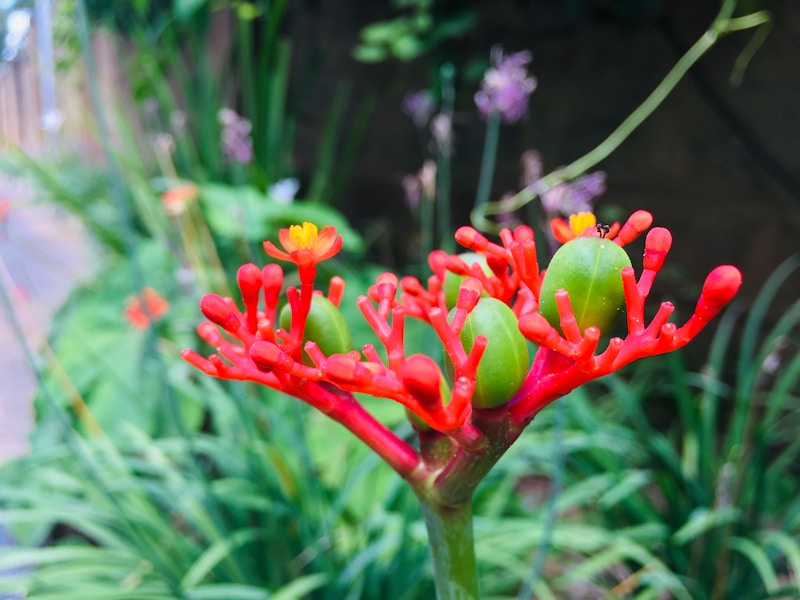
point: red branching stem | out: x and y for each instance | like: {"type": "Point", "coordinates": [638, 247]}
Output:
{"type": "Point", "coordinates": [345, 409]}
{"type": "Point", "coordinates": [634, 301]}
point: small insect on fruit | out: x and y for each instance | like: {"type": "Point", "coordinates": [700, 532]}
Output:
{"type": "Point", "coordinates": [603, 229]}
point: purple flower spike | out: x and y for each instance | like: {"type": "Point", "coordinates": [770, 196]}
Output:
{"type": "Point", "coordinates": [420, 106]}
{"type": "Point", "coordinates": [507, 86]}
{"type": "Point", "coordinates": [236, 143]}
{"type": "Point", "coordinates": [571, 197]}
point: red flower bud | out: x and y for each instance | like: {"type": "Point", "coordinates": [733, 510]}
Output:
{"type": "Point", "coordinates": [218, 311]}
{"type": "Point", "coordinates": [719, 288]}
{"type": "Point", "coordinates": [656, 247]}
{"type": "Point", "coordinates": [423, 379]}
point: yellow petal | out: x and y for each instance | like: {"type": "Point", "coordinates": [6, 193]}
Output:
{"type": "Point", "coordinates": [580, 221]}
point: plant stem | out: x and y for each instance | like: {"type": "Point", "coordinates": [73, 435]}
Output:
{"type": "Point", "coordinates": [721, 25]}
{"type": "Point", "coordinates": [443, 160]}
{"type": "Point", "coordinates": [452, 549]}
{"type": "Point", "coordinates": [488, 160]}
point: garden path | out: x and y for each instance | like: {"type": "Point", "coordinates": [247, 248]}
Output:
{"type": "Point", "coordinates": [43, 254]}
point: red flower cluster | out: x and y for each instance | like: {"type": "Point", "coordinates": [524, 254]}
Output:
{"type": "Point", "coordinates": [254, 347]}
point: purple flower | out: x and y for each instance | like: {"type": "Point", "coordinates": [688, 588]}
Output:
{"type": "Point", "coordinates": [532, 168]}
{"type": "Point", "coordinates": [420, 106]}
{"type": "Point", "coordinates": [235, 143]}
{"type": "Point", "coordinates": [442, 132]}
{"type": "Point", "coordinates": [569, 197]}
{"type": "Point", "coordinates": [421, 186]}
{"type": "Point", "coordinates": [507, 86]}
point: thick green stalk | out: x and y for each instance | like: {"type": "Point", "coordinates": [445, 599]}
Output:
{"type": "Point", "coordinates": [452, 547]}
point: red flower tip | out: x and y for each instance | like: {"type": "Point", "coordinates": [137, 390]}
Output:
{"type": "Point", "coordinates": [411, 285]}
{"type": "Point", "coordinates": [217, 311]}
{"type": "Point", "coordinates": [249, 280]}
{"type": "Point", "coordinates": [267, 357]}
{"type": "Point", "coordinates": [719, 288]}
{"type": "Point", "coordinates": [423, 379]}
{"type": "Point", "coordinates": [341, 368]}
{"type": "Point", "coordinates": [437, 260]}
{"type": "Point", "coordinates": [385, 287]}
{"type": "Point", "coordinates": [336, 290]}
{"type": "Point", "coordinates": [470, 238]}
{"type": "Point", "coordinates": [523, 233]}
{"type": "Point", "coordinates": [198, 362]}
{"type": "Point", "coordinates": [209, 332]}
{"type": "Point", "coordinates": [304, 245]}
{"type": "Point", "coordinates": [534, 326]}
{"type": "Point", "coordinates": [656, 247]}
{"type": "Point", "coordinates": [272, 279]}
{"type": "Point", "coordinates": [469, 293]}
{"type": "Point", "coordinates": [635, 226]}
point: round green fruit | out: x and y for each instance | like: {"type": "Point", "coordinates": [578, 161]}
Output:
{"type": "Point", "coordinates": [325, 326]}
{"type": "Point", "coordinates": [505, 361]}
{"type": "Point", "coordinates": [452, 282]}
{"type": "Point", "coordinates": [589, 268]}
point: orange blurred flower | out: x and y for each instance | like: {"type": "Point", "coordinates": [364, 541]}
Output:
{"type": "Point", "coordinates": [175, 199]}
{"type": "Point", "coordinates": [145, 308]}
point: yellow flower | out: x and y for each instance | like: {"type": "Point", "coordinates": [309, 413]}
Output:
{"type": "Point", "coordinates": [305, 245]}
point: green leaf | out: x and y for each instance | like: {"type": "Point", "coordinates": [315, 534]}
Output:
{"type": "Point", "coordinates": [758, 558]}
{"type": "Point", "coordinates": [788, 545]}
{"type": "Point", "coordinates": [384, 32]}
{"type": "Point", "coordinates": [703, 520]}
{"type": "Point", "coordinates": [630, 482]}
{"type": "Point", "coordinates": [245, 213]}
{"type": "Point", "coordinates": [229, 591]}
{"type": "Point", "coordinates": [370, 54]}
{"type": "Point", "coordinates": [217, 552]}
{"type": "Point", "coordinates": [185, 9]}
{"type": "Point", "coordinates": [247, 11]}
{"type": "Point", "coordinates": [300, 587]}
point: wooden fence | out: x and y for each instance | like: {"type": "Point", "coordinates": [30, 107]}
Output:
{"type": "Point", "coordinates": [20, 96]}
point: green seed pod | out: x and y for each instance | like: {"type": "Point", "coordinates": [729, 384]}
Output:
{"type": "Point", "coordinates": [452, 282]}
{"type": "Point", "coordinates": [589, 269]}
{"type": "Point", "coordinates": [505, 362]}
{"type": "Point", "coordinates": [325, 326]}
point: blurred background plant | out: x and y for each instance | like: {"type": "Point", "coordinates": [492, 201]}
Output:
{"type": "Point", "coordinates": [145, 481]}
